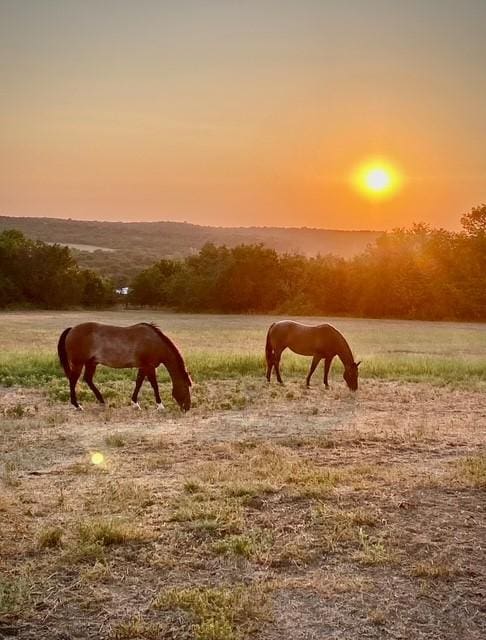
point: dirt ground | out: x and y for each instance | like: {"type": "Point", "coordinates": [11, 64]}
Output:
{"type": "Point", "coordinates": [267, 511]}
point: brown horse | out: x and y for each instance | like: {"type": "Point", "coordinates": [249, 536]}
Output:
{"type": "Point", "coordinates": [323, 342]}
{"type": "Point", "coordinates": [142, 345]}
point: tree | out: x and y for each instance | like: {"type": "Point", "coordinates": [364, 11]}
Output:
{"type": "Point", "coordinates": [474, 222]}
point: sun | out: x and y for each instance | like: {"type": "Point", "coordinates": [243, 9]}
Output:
{"type": "Point", "coordinates": [377, 179]}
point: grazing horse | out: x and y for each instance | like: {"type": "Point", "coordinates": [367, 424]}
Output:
{"type": "Point", "coordinates": [142, 345]}
{"type": "Point", "coordinates": [321, 342]}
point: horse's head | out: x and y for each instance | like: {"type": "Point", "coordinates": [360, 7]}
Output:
{"type": "Point", "coordinates": [351, 375]}
{"type": "Point", "coordinates": [181, 392]}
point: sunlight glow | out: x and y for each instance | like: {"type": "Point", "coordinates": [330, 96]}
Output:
{"type": "Point", "coordinates": [97, 458]}
{"type": "Point", "coordinates": [377, 179]}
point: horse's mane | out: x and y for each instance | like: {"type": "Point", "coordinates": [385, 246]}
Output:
{"type": "Point", "coordinates": [172, 346]}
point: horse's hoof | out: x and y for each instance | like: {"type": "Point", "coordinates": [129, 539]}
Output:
{"type": "Point", "coordinates": [160, 406]}
{"type": "Point", "coordinates": [79, 408]}
{"type": "Point", "coordinates": [135, 405]}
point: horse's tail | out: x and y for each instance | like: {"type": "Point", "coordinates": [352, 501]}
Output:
{"type": "Point", "coordinates": [62, 353]}
{"type": "Point", "coordinates": [269, 351]}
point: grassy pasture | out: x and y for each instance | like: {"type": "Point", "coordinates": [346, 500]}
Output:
{"type": "Point", "coordinates": [232, 346]}
{"type": "Point", "coordinates": [268, 512]}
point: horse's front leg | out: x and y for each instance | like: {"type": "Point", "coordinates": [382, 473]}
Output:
{"type": "Point", "coordinates": [152, 376]}
{"type": "Point", "coordinates": [138, 384]}
{"type": "Point", "coordinates": [327, 366]}
{"type": "Point", "coordinates": [315, 361]}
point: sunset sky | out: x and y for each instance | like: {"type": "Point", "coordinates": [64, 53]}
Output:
{"type": "Point", "coordinates": [255, 112]}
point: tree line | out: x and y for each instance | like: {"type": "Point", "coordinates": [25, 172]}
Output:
{"type": "Point", "coordinates": [420, 273]}
{"type": "Point", "coordinates": [36, 274]}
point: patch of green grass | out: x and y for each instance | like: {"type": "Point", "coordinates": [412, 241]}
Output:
{"type": "Point", "coordinates": [43, 370]}
{"type": "Point", "coordinates": [115, 440]}
{"type": "Point", "coordinates": [82, 551]}
{"type": "Point", "coordinates": [15, 411]}
{"type": "Point", "coordinates": [247, 545]}
{"type": "Point", "coordinates": [14, 594]}
{"type": "Point", "coordinates": [94, 537]}
{"type": "Point", "coordinates": [249, 489]}
{"type": "Point", "coordinates": [107, 533]}
{"type": "Point", "coordinates": [218, 613]}
{"type": "Point", "coordinates": [28, 370]}
{"type": "Point", "coordinates": [337, 529]}
{"type": "Point", "coordinates": [426, 368]}
{"type": "Point", "coordinates": [472, 471]}
{"type": "Point", "coordinates": [272, 468]}
{"type": "Point", "coordinates": [10, 473]}
{"type": "Point", "coordinates": [50, 537]}
{"type": "Point", "coordinates": [373, 551]}
{"type": "Point", "coordinates": [299, 551]}
{"type": "Point", "coordinates": [211, 516]}
{"type": "Point", "coordinates": [193, 486]}
{"type": "Point", "coordinates": [135, 628]}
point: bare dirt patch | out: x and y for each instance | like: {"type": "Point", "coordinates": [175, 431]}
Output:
{"type": "Point", "coordinates": [266, 511]}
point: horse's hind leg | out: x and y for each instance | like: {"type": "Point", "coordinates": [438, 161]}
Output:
{"type": "Point", "coordinates": [73, 379]}
{"type": "Point", "coordinates": [152, 376]}
{"type": "Point", "coordinates": [276, 364]}
{"type": "Point", "coordinates": [269, 367]}
{"type": "Point", "coordinates": [315, 361]}
{"type": "Point", "coordinates": [138, 384]}
{"type": "Point", "coordinates": [89, 371]}
{"type": "Point", "coordinates": [269, 371]}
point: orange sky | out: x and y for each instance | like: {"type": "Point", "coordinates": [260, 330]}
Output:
{"type": "Point", "coordinates": [242, 113]}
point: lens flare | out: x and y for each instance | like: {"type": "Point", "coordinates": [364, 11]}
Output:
{"type": "Point", "coordinates": [97, 458]}
{"type": "Point", "coordinates": [377, 179]}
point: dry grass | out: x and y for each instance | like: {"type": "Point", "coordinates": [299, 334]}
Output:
{"type": "Point", "coordinates": [266, 511]}
{"type": "Point", "coordinates": [433, 569]}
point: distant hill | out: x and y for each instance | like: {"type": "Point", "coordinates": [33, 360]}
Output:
{"type": "Point", "coordinates": [121, 249]}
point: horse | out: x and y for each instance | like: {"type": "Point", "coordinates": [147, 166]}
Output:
{"type": "Point", "coordinates": [322, 342]}
{"type": "Point", "coordinates": [142, 345]}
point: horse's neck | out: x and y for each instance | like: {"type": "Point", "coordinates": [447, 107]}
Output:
{"type": "Point", "coordinates": [344, 352]}
{"type": "Point", "coordinates": [171, 362]}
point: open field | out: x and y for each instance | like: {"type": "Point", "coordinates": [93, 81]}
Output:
{"type": "Point", "coordinates": [268, 511]}
{"type": "Point", "coordinates": [222, 346]}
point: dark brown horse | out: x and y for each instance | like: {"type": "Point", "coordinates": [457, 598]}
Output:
{"type": "Point", "coordinates": [322, 342]}
{"type": "Point", "coordinates": [142, 345]}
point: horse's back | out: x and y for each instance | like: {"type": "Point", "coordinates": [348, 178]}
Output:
{"type": "Point", "coordinates": [111, 345]}
{"type": "Point", "coordinates": [304, 339]}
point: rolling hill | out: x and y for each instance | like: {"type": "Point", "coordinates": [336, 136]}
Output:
{"type": "Point", "coordinates": [121, 249]}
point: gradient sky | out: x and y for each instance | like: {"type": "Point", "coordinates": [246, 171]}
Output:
{"type": "Point", "coordinates": [250, 112]}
